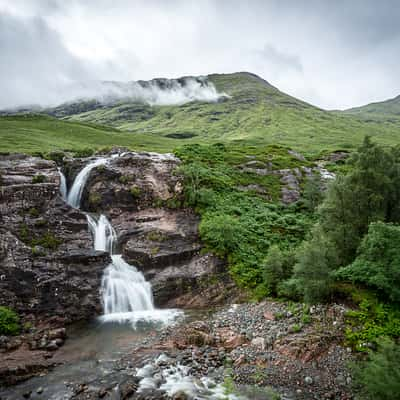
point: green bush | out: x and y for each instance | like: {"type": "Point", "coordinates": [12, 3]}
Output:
{"type": "Point", "coordinates": [371, 321]}
{"type": "Point", "coordinates": [378, 378]}
{"type": "Point", "coordinates": [9, 321]}
{"type": "Point", "coordinates": [378, 263]}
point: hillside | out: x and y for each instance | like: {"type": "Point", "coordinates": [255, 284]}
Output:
{"type": "Point", "coordinates": [386, 110]}
{"type": "Point", "coordinates": [253, 113]}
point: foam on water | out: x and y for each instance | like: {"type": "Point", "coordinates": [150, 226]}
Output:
{"type": "Point", "coordinates": [176, 378]}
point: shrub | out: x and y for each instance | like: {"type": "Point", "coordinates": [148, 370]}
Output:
{"type": "Point", "coordinates": [370, 322]}
{"type": "Point", "coordinates": [378, 378]}
{"type": "Point", "coordinates": [9, 321]}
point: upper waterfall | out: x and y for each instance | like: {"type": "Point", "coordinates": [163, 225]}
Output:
{"type": "Point", "coordinates": [75, 193]}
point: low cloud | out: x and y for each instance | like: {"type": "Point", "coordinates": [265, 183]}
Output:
{"type": "Point", "coordinates": [38, 70]}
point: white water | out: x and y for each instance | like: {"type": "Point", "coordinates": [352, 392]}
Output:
{"type": "Point", "coordinates": [75, 193]}
{"type": "Point", "coordinates": [63, 185]}
{"type": "Point", "coordinates": [176, 379]}
{"type": "Point", "coordinates": [126, 294]}
{"type": "Point", "coordinates": [104, 236]}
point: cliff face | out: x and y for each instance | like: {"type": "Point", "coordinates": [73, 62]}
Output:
{"type": "Point", "coordinates": [48, 267]}
{"type": "Point", "coordinates": [138, 193]}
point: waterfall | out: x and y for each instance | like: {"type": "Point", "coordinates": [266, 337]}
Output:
{"type": "Point", "coordinates": [123, 287]}
{"type": "Point", "coordinates": [126, 295]}
{"type": "Point", "coordinates": [75, 193]}
{"type": "Point", "coordinates": [103, 233]}
{"type": "Point", "coordinates": [63, 185]}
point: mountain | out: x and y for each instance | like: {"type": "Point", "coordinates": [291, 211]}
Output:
{"type": "Point", "coordinates": [244, 109]}
{"type": "Point", "coordinates": [388, 109]}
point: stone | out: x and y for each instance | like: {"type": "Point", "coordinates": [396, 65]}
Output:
{"type": "Point", "coordinates": [234, 341]}
{"type": "Point", "coordinates": [259, 342]}
{"type": "Point", "coordinates": [308, 380]}
{"type": "Point", "coordinates": [180, 395]}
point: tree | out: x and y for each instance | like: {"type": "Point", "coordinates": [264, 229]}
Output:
{"type": "Point", "coordinates": [378, 262]}
{"type": "Point", "coordinates": [312, 194]}
{"type": "Point", "coordinates": [313, 271]}
{"type": "Point", "coordinates": [277, 267]}
{"type": "Point", "coordinates": [379, 377]}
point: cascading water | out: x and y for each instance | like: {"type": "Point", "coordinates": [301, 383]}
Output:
{"type": "Point", "coordinates": [75, 193]}
{"type": "Point", "coordinates": [63, 185]}
{"type": "Point", "coordinates": [126, 295]}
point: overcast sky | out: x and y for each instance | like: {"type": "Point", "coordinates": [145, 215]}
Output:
{"type": "Point", "coordinates": [334, 54]}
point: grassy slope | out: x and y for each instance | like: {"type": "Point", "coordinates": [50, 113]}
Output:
{"type": "Point", "coordinates": [384, 110]}
{"type": "Point", "coordinates": [257, 113]}
{"type": "Point", "coordinates": [43, 134]}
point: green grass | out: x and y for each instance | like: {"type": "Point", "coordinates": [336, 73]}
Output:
{"type": "Point", "coordinates": [38, 133]}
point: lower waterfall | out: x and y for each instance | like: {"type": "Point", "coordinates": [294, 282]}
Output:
{"type": "Point", "coordinates": [126, 295]}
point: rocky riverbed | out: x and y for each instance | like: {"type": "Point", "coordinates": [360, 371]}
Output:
{"type": "Point", "coordinates": [253, 351]}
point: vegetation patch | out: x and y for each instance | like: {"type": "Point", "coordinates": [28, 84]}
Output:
{"type": "Point", "coordinates": [9, 321]}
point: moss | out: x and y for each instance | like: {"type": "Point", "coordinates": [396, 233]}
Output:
{"type": "Point", "coordinates": [9, 321]}
{"type": "Point", "coordinates": [38, 178]}
{"type": "Point", "coordinates": [48, 241]}
{"type": "Point", "coordinates": [94, 199]}
{"type": "Point", "coordinates": [124, 179]}
{"type": "Point", "coordinates": [135, 191]}
{"type": "Point", "coordinates": [33, 212]}
{"type": "Point", "coordinates": [154, 250]}
{"type": "Point", "coordinates": [156, 236]}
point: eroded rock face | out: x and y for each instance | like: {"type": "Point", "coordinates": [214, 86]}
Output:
{"type": "Point", "coordinates": [134, 190]}
{"type": "Point", "coordinates": [47, 265]}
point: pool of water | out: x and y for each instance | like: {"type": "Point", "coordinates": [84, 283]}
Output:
{"type": "Point", "coordinates": [90, 351]}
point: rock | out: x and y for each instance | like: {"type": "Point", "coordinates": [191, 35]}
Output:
{"type": "Point", "coordinates": [52, 346]}
{"type": "Point", "coordinates": [60, 333]}
{"type": "Point", "coordinates": [39, 390]}
{"type": "Point", "coordinates": [44, 279]}
{"type": "Point", "coordinates": [308, 380]}
{"type": "Point", "coordinates": [269, 316]}
{"type": "Point", "coordinates": [259, 342]}
{"type": "Point", "coordinates": [181, 395]}
{"type": "Point", "coordinates": [234, 341]}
